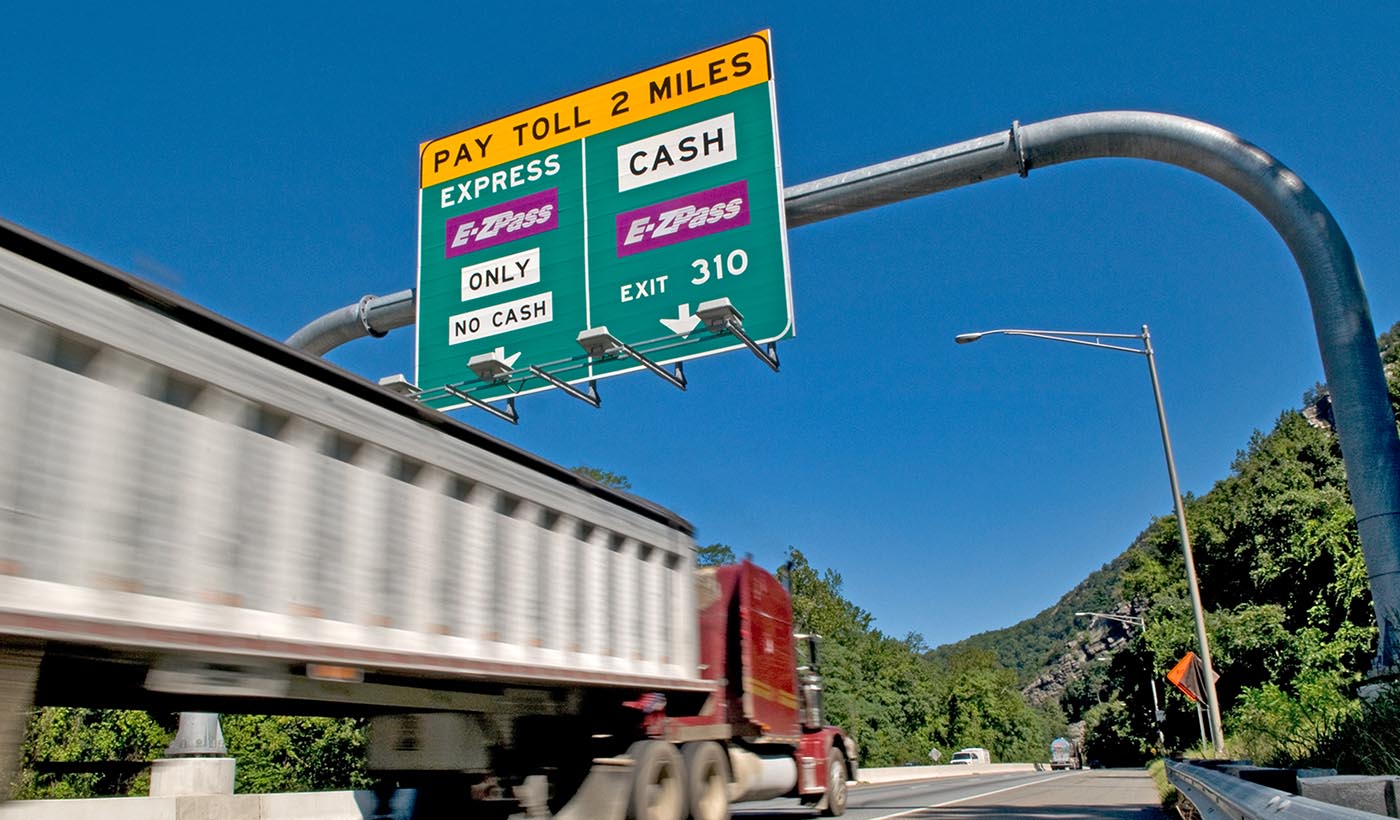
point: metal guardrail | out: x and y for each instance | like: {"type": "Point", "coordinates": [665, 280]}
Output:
{"type": "Point", "coordinates": [1219, 795]}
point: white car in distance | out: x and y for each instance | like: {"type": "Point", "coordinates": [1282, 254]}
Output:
{"type": "Point", "coordinates": [971, 757]}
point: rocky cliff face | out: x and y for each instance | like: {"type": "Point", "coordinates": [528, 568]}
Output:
{"type": "Point", "coordinates": [1101, 639]}
{"type": "Point", "coordinates": [1317, 405]}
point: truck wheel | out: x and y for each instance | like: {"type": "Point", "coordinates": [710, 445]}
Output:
{"type": "Point", "coordinates": [835, 783]}
{"type": "Point", "coordinates": [707, 780]}
{"type": "Point", "coordinates": [658, 782]}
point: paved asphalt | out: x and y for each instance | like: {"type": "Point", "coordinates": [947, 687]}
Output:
{"type": "Point", "coordinates": [1104, 794]}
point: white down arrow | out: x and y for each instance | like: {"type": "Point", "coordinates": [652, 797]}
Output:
{"type": "Point", "coordinates": [509, 360]}
{"type": "Point", "coordinates": [684, 322]}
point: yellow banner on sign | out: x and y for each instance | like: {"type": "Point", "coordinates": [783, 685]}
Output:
{"type": "Point", "coordinates": [693, 79]}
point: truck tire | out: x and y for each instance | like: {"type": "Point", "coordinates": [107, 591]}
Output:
{"type": "Point", "coordinates": [835, 783]}
{"type": "Point", "coordinates": [707, 780]}
{"type": "Point", "coordinates": [658, 782]}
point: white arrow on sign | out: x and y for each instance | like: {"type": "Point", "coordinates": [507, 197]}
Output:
{"type": "Point", "coordinates": [684, 322]}
{"type": "Point", "coordinates": [509, 360]}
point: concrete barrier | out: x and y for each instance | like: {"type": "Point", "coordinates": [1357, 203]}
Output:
{"type": "Point", "coordinates": [895, 774]}
{"type": "Point", "coordinates": [183, 776]}
{"type": "Point", "coordinates": [1374, 794]}
{"type": "Point", "coordinates": [298, 806]}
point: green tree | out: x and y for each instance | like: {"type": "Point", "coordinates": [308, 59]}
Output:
{"type": "Point", "coordinates": [714, 555]}
{"type": "Point", "coordinates": [70, 735]}
{"type": "Point", "coordinates": [892, 698]}
{"type": "Point", "coordinates": [1367, 742]}
{"type": "Point", "coordinates": [607, 478]}
{"type": "Point", "coordinates": [984, 707]}
{"type": "Point", "coordinates": [282, 754]}
{"type": "Point", "coordinates": [1109, 734]}
{"type": "Point", "coordinates": [1289, 722]}
{"type": "Point", "coordinates": [273, 753]}
{"type": "Point", "coordinates": [880, 689]}
{"type": "Point", "coordinates": [817, 603]}
{"type": "Point", "coordinates": [1283, 578]}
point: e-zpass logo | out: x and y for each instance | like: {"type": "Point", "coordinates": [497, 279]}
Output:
{"type": "Point", "coordinates": [508, 221]}
{"type": "Point", "coordinates": [687, 217]}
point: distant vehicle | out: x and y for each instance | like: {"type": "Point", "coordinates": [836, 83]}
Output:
{"type": "Point", "coordinates": [1062, 754]}
{"type": "Point", "coordinates": [971, 757]}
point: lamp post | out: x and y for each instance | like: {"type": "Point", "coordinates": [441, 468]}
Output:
{"type": "Point", "coordinates": [1140, 623]}
{"type": "Point", "coordinates": [1093, 340]}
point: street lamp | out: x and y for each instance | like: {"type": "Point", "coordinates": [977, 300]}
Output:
{"type": "Point", "coordinates": [1157, 714]}
{"type": "Point", "coordinates": [1092, 340]}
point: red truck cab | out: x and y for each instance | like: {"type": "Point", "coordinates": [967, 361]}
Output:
{"type": "Point", "coordinates": [766, 706]}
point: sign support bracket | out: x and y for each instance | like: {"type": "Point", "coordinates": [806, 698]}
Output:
{"type": "Point", "coordinates": [678, 379]}
{"type": "Point", "coordinates": [507, 414]}
{"type": "Point", "coordinates": [768, 356]}
{"type": "Point", "coordinates": [720, 316]}
{"type": "Point", "coordinates": [598, 343]}
{"type": "Point", "coordinates": [590, 398]}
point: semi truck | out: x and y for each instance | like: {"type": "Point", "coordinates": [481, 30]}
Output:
{"type": "Point", "coordinates": [1061, 754]}
{"type": "Point", "coordinates": [194, 516]}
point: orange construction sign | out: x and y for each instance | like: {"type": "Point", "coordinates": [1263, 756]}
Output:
{"type": "Point", "coordinates": [1186, 676]}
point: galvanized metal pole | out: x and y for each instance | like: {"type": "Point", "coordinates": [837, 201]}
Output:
{"type": "Point", "coordinates": [371, 316]}
{"type": "Point", "coordinates": [1157, 713]}
{"type": "Point", "coordinates": [1217, 732]}
{"type": "Point", "coordinates": [1346, 337]}
{"type": "Point", "coordinates": [1201, 721]}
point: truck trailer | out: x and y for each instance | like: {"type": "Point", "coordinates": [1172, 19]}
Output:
{"type": "Point", "coordinates": [196, 517]}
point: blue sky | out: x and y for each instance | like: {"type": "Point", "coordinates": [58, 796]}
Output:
{"type": "Point", "coordinates": [262, 161]}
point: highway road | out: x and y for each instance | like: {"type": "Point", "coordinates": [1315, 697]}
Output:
{"type": "Point", "coordinates": [1101, 794]}
{"type": "Point", "coordinates": [1113, 794]}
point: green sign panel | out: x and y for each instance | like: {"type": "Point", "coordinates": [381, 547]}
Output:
{"type": "Point", "coordinates": [623, 207]}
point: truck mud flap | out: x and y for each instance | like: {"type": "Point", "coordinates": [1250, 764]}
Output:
{"type": "Point", "coordinates": [604, 793]}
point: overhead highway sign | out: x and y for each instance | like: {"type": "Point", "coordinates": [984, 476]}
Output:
{"type": "Point", "coordinates": [613, 213]}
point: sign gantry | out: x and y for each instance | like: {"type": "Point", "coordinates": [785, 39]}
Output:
{"type": "Point", "coordinates": [634, 225]}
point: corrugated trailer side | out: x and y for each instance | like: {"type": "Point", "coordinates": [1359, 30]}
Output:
{"type": "Point", "coordinates": [176, 488]}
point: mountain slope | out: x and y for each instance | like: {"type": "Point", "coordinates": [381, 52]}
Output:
{"type": "Point", "coordinates": [1031, 646]}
